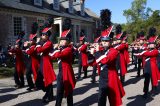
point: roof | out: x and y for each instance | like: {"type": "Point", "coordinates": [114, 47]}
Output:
{"type": "Point", "coordinates": [77, 7]}
{"type": "Point", "coordinates": [65, 4]}
{"type": "Point", "coordinates": [49, 1]}
{"type": "Point", "coordinates": [31, 8]}
{"type": "Point", "coordinates": [91, 13]}
{"type": "Point", "coordinates": [87, 11]}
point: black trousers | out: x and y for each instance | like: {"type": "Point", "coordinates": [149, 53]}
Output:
{"type": "Point", "coordinates": [135, 61]}
{"type": "Point", "coordinates": [60, 93]}
{"type": "Point", "coordinates": [103, 88]}
{"type": "Point", "coordinates": [94, 73]}
{"type": "Point", "coordinates": [29, 76]}
{"type": "Point", "coordinates": [102, 97]}
{"type": "Point", "coordinates": [85, 71]}
{"type": "Point", "coordinates": [132, 56]}
{"type": "Point", "coordinates": [49, 92]}
{"type": "Point", "coordinates": [40, 85]}
{"type": "Point", "coordinates": [139, 66]}
{"type": "Point", "coordinates": [19, 80]}
{"type": "Point", "coordinates": [80, 69]}
{"type": "Point", "coordinates": [147, 78]}
{"type": "Point", "coordinates": [122, 78]}
{"type": "Point", "coordinates": [39, 81]}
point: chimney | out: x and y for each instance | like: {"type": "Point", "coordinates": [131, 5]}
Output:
{"type": "Point", "coordinates": [82, 4]}
{"type": "Point", "coordinates": [70, 6]}
{"type": "Point", "coordinates": [56, 4]}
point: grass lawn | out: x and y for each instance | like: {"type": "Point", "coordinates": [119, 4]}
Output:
{"type": "Point", "coordinates": [8, 72]}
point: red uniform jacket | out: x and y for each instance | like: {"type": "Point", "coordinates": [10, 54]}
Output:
{"type": "Point", "coordinates": [20, 67]}
{"type": "Point", "coordinates": [116, 91]}
{"type": "Point", "coordinates": [144, 47]}
{"type": "Point", "coordinates": [155, 75]}
{"type": "Point", "coordinates": [47, 66]}
{"type": "Point", "coordinates": [83, 50]}
{"type": "Point", "coordinates": [65, 56]}
{"type": "Point", "coordinates": [123, 68]}
{"type": "Point", "coordinates": [126, 54]}
{"type": "Point", "coordinates": [34, 60]}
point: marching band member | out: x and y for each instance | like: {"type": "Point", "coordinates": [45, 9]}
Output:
{"type": "Point", "coordinates": [82, 61]}
{"type": "Point", "coordinates": [109, 83]}
{"type": "Point", "coordinates": [19, 66]}
{"type": "Point", "coordinates": [66, 80]}
{"type": "Point", "coordinates": [126, 52]}
{"type": "Point", "coordinates": [121, 64]}
{"type": "Point", "coordinates": [47, 73]}
{"type": "Point", "coordinates": [94, 52]}
{"type": "Point", "coordinates": [142, 46]}
{"type": "Point", "coordinates": [33, 66]}
{"type": "Point", "coordinates": [151, 71]}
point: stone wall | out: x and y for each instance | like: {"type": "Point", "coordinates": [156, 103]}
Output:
{"type": "Point", "coordinates": [5, 28]}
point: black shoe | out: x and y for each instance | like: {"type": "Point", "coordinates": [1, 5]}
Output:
{"type": "Point", "coordinates": [145, 95]}
{"type": "Point", "coordinates": [78, 77]}
{"type": "Point", "coordinates": [30, 88]}
{"type": "Point", "coordinates": [44, 97]}
{"type": "Point", "coordinates": [138, 76]}
{"type": "Point", "coordinates": [154, 92]}
{"type": "Point", "coordinates": [46, 100]}
{"type": "Point", "coordinates": [51, 98]}
{"type": "Point", "coordinates": [84, 77]}
{"type": "Point", "coordinates": [15, 86]}
{"type": "Point", "coordinates": [36, 89]}
{"type": "Point", "coordinates": [93, 81]}
{"type": "Point", "coordinates": [20, 86]}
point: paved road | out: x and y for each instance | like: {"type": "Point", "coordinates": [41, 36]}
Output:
{"type": "Point", "coordinates": [85, 93]}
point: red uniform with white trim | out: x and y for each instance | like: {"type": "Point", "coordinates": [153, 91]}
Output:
{"type": "Point", "coordinates": [122, 62]}
{"type": "Point", "coordinates": [46, 62]}
{"type": "Point", "coordinates": [153, 67]}
{"type": "Point", "coordinates": [126, 54]}
{"type": "Point", "coordinates": [115, 88]}
{"type": "Point", "coordinates": [20, 67]}
{"type": "Point", "coordinates": [83, 50]}
{"type": "Point", "coordinates": [65, 59]}
{"type": "Point", "coordinates": [144, 47]}
{"type": "Point", "coordinates": [34, 60]}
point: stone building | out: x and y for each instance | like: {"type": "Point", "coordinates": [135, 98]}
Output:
{"type": "Point", "coordinates": [17, 15]}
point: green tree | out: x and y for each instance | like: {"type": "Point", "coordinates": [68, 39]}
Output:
{"type": "Point", "coordinates": [136, 17]}
{"type": "Point", "coordinates": [139, 17]}
{"type": "Point", "coordinates": [136, 12]}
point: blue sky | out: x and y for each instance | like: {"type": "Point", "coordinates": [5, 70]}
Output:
{"type": "Point", "coordinates": [117, 7]}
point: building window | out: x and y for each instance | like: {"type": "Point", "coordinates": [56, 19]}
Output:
{"type": "Point", "coordinates": [70, 6]}
{"type": "Point", "coordinates": [17, 25]}
{"type": "Point", "coordinates": [38, 2]}
{"type": "Point", "coordinates": [56, 4]}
